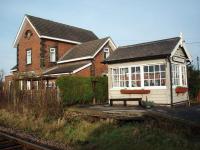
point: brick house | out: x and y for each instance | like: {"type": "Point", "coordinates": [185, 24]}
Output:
{"type": "Point", "coordinates": [50, 49]}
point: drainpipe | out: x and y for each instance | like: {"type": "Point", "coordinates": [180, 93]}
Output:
{"type": "Point", "coordinates": [171, 89]}
{"type": "Point", "coordinates": [188, 97]}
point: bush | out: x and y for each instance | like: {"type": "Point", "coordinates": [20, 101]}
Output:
{"type": "Point", "coordinates": [193, 82]}
{"type": "Point", "coordinates": [101, 89]}
{"type": "Point", "coordinates": [75, 89]}
{"type": "Point", "coordinates": [82, 90]}
{"type": "Point", "coordinates": [147, 104]}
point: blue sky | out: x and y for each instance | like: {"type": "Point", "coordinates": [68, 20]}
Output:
{"type": "Point", "coordinates": [126, 21]}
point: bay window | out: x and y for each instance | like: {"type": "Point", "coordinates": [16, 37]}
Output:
{"type": "Point", "coordinates": [139, 76]}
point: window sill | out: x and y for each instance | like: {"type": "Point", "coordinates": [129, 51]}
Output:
{"type": "Point", "coordinates": [139, 88]}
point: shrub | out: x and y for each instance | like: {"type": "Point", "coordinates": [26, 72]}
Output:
{"type": "Point", "coordinates": [101, 89]}
{"type": "Point", "coordinates": [75, 89]}
{"type": "Point", "coordinates": [147, 104]}
{"type": "Point", "coordinates": [82, 90]}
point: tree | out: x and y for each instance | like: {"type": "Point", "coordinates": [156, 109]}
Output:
{"type": "Point", "coordinates": [1, 79]}
{"type": "Point", "coordinates": [193, 81]}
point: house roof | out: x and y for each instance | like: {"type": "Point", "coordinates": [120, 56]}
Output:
{"type": "Point", "coordinates": [84, 50]}
{"type": "Point", "coordinates": [68, 68]}
{"type": "Point", "coordinates": [58, 30]}
{"type": "Point", "coordinates": [154, 49]}
{"type": "Point", "coordinates": [14, 68]}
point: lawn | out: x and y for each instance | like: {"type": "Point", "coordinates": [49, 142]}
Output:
{"type": "Point", "coordinates": [80, 133]}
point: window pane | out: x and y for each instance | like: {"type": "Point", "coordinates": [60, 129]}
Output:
{"type": "Point", "coordinates": [146, 82]}
{"type": "Point", "coordinates": [137, 69]}
{"type": "Point", "coordinates": [145, 68]}
{"type": "Point", "coordinates": [157, 75]}
{"type": "Point", "coordinates": [157, 82]}
{"type": "Point", "coordinates": [163, 82]}
{"type": "Point", "coordinates": [137, 76]}
{"type": "Point", "coordinates": [151, 68]}
{"type": "Point", "coordinates": [162, 74]}
{"type": "Point", "coordinates": [157, 68]}
{"type": "Point", "coordinates": [151, 82]}
{"type": "Point", "coordinates": [132, 69]}
{"type": "Point", "coordinates": [162, 67]}
{"type": "Point", "coordinates": [133, 76]}
{"type": "Point", "coordinates": [133, 83]}
{"type": "Point", "coordinates": [138, 83]}
{"type": "Point", "coordinates": [146, 75]}
{"type": "Point", "coordinates": [151, 75]}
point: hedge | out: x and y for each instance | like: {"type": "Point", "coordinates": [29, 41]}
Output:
{"type": "Point", "coordinates": [81, 90]}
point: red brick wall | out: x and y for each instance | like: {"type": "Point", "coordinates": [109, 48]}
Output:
{"type": "Point", "coordinates": [34, 44]}
{"type": "Point", "coordinates": [61, 47]}
{"type": "Point", "coordinates": [101, 68]}
{"type": "Point", "coordinates": [84, 73]}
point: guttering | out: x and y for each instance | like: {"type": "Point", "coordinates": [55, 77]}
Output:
{"type": "Point", "coordinates": [59, 39]}
{"type": "Point", "coordinates": [75, 59]}
{"type": "Point", "coordinates": [170, 74]}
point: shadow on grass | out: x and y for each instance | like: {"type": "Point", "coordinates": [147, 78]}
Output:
{"type": "Point", "coordinates": [131, 136]}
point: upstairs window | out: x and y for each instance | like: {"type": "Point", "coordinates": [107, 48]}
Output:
{"type": "Point", "coordinates": [28, 57]}
{"type": "Point", "coordinates": [52, 54]}
{"type": "Point", "coordinates": [106, 53]}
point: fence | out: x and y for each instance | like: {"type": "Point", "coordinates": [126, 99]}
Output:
{"type": "Point", "coordinates": [38, 102]}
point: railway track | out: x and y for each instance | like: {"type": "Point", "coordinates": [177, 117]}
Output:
{"type": "Point", "coordinates": [9, 142]}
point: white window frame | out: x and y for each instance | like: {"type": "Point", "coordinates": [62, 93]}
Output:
{"type": "Point", "coordinates": [28, 85]}
{"type": "Point", "coordinates": [52, 54]}
{"type": "Point", "coordinates": [121, 74]}
{"type": "Point", "coordinates": [28, 56]}
{"type": "Point", "coordinates": [141, 77]}
{"type": "Point", "coordinates": [160, 72]}
{"type": "Point", "coordinates": [183, 75]}
{"type": "Point", "coordinates": [106, 52]}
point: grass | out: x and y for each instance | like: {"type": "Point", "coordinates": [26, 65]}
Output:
{"type": "Point", "coordinates": [82, 134]}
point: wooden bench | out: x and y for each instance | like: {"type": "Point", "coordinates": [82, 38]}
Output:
{"type": "Point", "coordinates": [125, 100]}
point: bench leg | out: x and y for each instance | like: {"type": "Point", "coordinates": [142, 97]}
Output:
{"type": "Point", "coordinates": [125, 104]}
{"type": "Point", "coordinates": [140, 102]}
{"type": "Point", "coordinates": [111, 103]}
